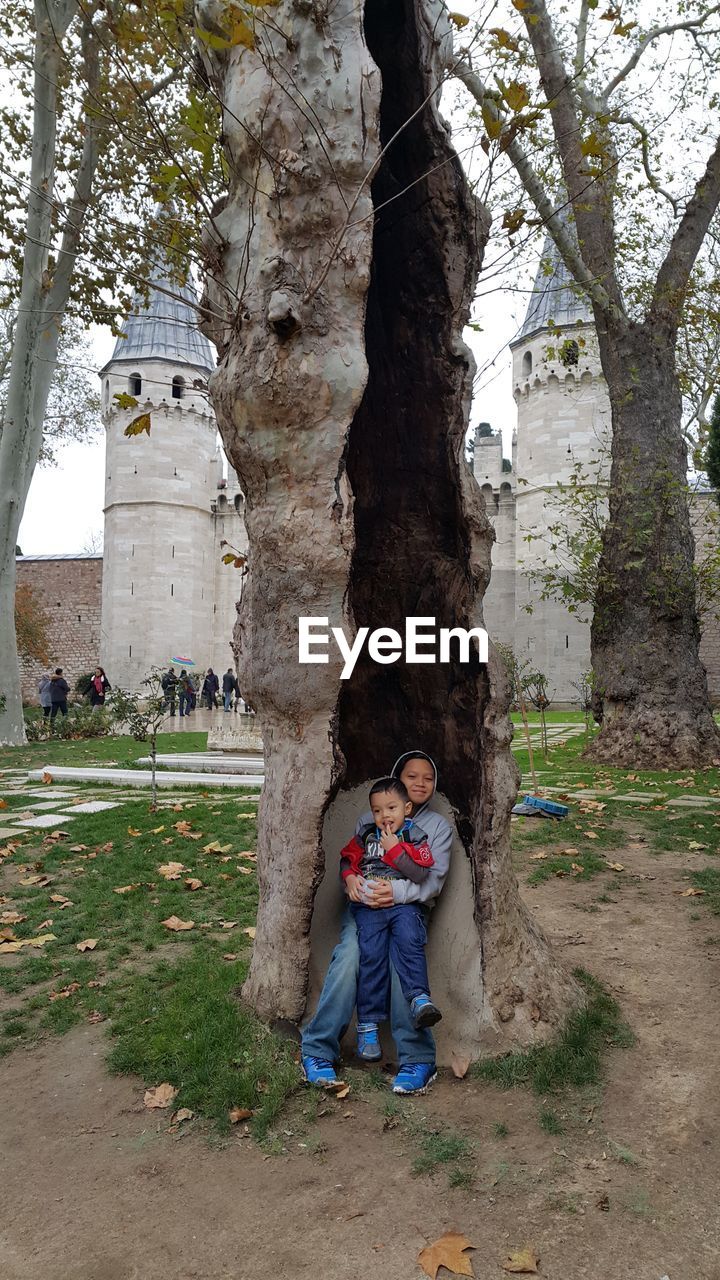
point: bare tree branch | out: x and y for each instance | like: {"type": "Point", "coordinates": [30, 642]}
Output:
{"type": "Point", "coordinates": [674, 274]}
{"type": "Point", "coordinates": [689, 24]}
{"type": "Point", "coordinates": [626, 118]}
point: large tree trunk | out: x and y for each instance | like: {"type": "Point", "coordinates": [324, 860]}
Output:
{"type": "Point", "coordinates": [344, 410]}
{"type": "Point", "coordinates": [651, 689]}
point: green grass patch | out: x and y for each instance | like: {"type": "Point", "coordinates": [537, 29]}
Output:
{"type": "Point", "coordinates": [183, 1024]}
{"type": "Point", "coordinates": [550, 1121]}
{"type": "Point", "coordinates": [562, 865]}
{"type": "Point", "coordinates": [709, 881]}
{"type": "Point", "coordinates": [121, 750]}
{"type": "Point", "coordinates": [574, 1059]}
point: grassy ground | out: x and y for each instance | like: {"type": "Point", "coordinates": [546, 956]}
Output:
{"type": "Point", "coordinates": [170, 998]}
{"type": "Point", "coordinates": [121, 751]}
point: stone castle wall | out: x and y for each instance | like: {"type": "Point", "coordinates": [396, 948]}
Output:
{"type": "Point", "coordinates": [70, 592]}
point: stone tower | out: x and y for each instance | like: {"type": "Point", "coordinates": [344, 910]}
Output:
{"type": "Point", "coordinates": [563, 419]}
{"type": "Point", "coordinates": [159, 571]}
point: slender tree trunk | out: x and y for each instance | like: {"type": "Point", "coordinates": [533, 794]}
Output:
{"type": "Point", "coordinates": [650, 686]}
{"type": "Point", "coordinates": [34, 351]}
{"type": "Point", "coordinates": [343, 408]}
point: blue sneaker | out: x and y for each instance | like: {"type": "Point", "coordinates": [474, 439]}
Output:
{"type": "Point", "coordinates": [424, 1012]}
{"type": "Point", "coordinates": [368, 1042]}
{"type": "Point", "coordinates": [414, 1077]}
{"type": "Point", "coordinates": [319, 1071]}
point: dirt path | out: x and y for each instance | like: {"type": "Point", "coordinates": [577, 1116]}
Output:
{"type": "Point", "coordinates": [94, 1188]}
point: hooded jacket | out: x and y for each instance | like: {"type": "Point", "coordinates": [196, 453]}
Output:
{"type": "Point", "coordinates": [438, 834]}
{"type": "Point", "coordinates": [410, 858]}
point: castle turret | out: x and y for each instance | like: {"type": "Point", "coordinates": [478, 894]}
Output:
{"type": "Point", "coordinates": [563, 420]}
{"type": "Point", "coordinates": [159, 571]}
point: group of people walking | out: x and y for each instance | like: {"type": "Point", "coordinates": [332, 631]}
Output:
{"type": "Point", "coordinates": [53, 689]}
{"type": "Point", "coordinates": [184, 691]}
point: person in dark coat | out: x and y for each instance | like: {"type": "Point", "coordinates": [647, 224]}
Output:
{"type": "Point", "coordinates": [99, 686]}
{"type": "Point", "coordinates": [230, 686]}
{"type": "Point", "coordinates": [59, 690]}
{"type": "Point", "coordinates": [169, 687]}
{"type": "Point", "coordinates": [211, 684]}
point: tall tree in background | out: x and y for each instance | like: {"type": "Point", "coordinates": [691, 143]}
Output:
{"type": "Point", "coordinates": [712, 451]}
{"type": "Point", "coordinates": [345, 260]}
{"type": "Point", "coordinates": [103, 121]}
{"type": "Point", "coordinates": [588, 142]}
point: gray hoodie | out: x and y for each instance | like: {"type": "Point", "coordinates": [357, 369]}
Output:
{"type": "Point", "coordinates": [439, 837]}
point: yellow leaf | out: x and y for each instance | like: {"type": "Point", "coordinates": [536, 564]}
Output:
{"type": "Point", "coordinates": [250, 931]}
{"type": "Point", "coordinates": [522, 1262]}
{"type": "Point", "coordinates": [163, 1095]}
{"type": "Point", "coordinates": [538, 857]}
{"type": "Point", "coordinates": [7, 947]}
{"type": "Point", "coordinates": [576, 867]}
{"type": "Point", "coordinates": [516, 95]}
{"type": "Point", "coordinates": [38, 881]}
{"type": "Point", "coordinates": [695, 845]}
{"type": "Point", "coordinates": [504, 39]}
{"type": "Point", "coordinates": [138, 425]}
{"type": "Point", "coordinates": [133, 831]}
{"type": "Point", "coordinates": [590, 835]}
{"type": "Point", "coordinates": [459, 19]}
{"type": "Point", "coordinates": [154, 831]}
{"type": "Point", "coordinates": [88, 944]}
{"type": "Point", "coordinates": [615, 866]}
{"type": "Point", "coordinates": [177, 925]}
{"type": "Point", "coordinates": [125, 888]}
{"type": "Point", "coordinates": [691, 893]}
{"type": "Point", "coordinates": [448, 1251]}
{"type": "Point", "coordinates": [171, 870]}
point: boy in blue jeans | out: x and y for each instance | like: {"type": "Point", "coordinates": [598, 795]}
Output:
{"type": "Point", "coordinates": [390, 847]}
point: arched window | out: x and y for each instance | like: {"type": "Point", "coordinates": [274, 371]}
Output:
{"type": "Point", "coordinates": [569, 353]}
{"type": "Point", "coordinates": [178, 387]}
{"type": "Point", "coordinates": [527, 364]}
{"type": "Point", "coordinates": [134, 384]}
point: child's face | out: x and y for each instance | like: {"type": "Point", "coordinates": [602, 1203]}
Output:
{"type": "Point", "coordinates": [389, 810]}
{"type": "Point", "coordinates": [418, 778]}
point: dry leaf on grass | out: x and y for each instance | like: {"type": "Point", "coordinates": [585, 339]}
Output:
{"type": "Point", "coordinates": [77, 848]}
{"type": "Point", "coordinates": [522, 1262]}
{"type": "Point", "coordinates": [250, 931]}
{"type": "Point", "coordinates": [3, 804]}
{"type": "Point", "coordinates": [8, 935]}
{"type": "Point", "coordinates": [105, 848]}
{"type": "Point", "coordinates": [61, 900]}
{"type": "Point", "coordinates": [155, 831]}
{"type": "Point", "coordinates": [183, 1113]}
{"type": "Point", "coordinates": [568, 853]}
{"type": "Point", "coordinates": [216, 847]}
{"type": "Point", "coordinates": [695, 846]}
{"type": "Point", "coordinates": [460, 1065]}
{"type": "Point", "coordinates": [133, 831]}
{"type": "Point", "coordinates": [448, 1251]}
{"type": "Point", "coordinates": [65, 992]}
{"type": "Point", "coordinates": [177, 925]}
{"type": "Point", "coordinates": [538, 857]}
{"type": "Point", "coordinates": [230, 955]}
{"type": "Point", "coordinates": [590, 835]}
{"type": "Point", "coordinates": [339, 1088]}
{"type": "Point", "coordinates": [690, 893]}
{"type": "Point", "coordinates": [39, 882]}
{"type": "Point", "coordinates": [7, 948]}
{"type": "Point", "coordinates": [171, 870]}
{"type": "Point", "coordinates": [192, 884]}
{"type": "Point", "coordinates": [95, 1016]}
{"type": "Point", "coordinates": [163, 1095]}
{"type": "Point", "coordinates": [46, 777]}
{"type": "Point", "coordinates": [246, 815]}
{"type": "Point", "coordinates": [125, 888]}
{"type": "Point", "coordinates": [576, 867]}
{"type": "Point", "coordinates": [11, 917]}
{"type": "Point", "coordinates": [228, 924]}
{"type": "Point", "coordinates": [236, 1114]}
{"type": "Point", "coordinates": [88, 944]}
{"type": "Point", "coordinates": [615, 866]}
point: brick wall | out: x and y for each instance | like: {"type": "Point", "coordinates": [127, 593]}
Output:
{"type": "Point", "coordinates": [70, 591]}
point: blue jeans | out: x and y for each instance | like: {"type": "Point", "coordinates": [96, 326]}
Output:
{"type": "Point", "coordinates": [385, 934]}
{"type": "Point", "coordinates": [184, 703]}
{"type": "Point", "coordinates": [322, 1035]}
{"type": "Point", "coordinates": [227, 699]}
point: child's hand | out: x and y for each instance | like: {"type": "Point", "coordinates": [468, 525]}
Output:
{"type": "Point", "coordinates": [388, 839]}
{"type": "Point", "coordinates": [353, 885]}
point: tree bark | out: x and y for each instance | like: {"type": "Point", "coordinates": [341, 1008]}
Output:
{"type": "Point", "coordinates": [343, 408]}
{"type": "Point", "coordinates": [650, 690]}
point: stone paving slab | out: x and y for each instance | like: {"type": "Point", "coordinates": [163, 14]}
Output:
{"type": "Point", "coordinates": [697, 802]}
{"type": "Point", "coordinates": [46, 820]}
{"type": "Point", "coordinates": [45, 804]}
{"type": "Point", "coordinates": [56, 791]}
{"type": "Point", "coordinates": [143, 778]}
{"type": "Point", "coordinates": [8, 831]}
{"type": "Point", "coordinates": [214, 763]}
{"type": "Point", "coordinates": [94, 806]}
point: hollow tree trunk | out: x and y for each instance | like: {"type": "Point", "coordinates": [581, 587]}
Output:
{"type": "Point", "coordinates": [343, 409]}
{"type": "Point", "coordinates": [650, 685]}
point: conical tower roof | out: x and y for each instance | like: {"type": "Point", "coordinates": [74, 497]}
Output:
{"type": "Point", "coordinates": [555, 299]}
{"type": "Point", "coordinates": [165, 327]}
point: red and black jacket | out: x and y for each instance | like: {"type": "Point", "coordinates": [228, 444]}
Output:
{"type": "Point", "coordinates": [409, 859]}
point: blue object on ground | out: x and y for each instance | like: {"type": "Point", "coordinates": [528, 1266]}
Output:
{"type": "Point", "coordinates": [319, 1071]}
{"type": "Point", "coordinates": [414, 1077]}
{"type": "Point", "coordinates": [547, 806]}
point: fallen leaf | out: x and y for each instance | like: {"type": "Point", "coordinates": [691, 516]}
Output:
{"type": "Point", "coordinates": [244, 871]}
{"type": "Point", "coordinates": [171, 870]}
{"type": "Point", "coordinates": [177, 925]}
{"type": "Point", "coordinates": [448, 1251]}
{"type": "Point", "coordinates": [522, 1262]}
{"type": "Point", "coordinates": [538, 857]}
{"type": "Point", "coordinates": [695, 845]}
{"type": "Point", "coordinates": [459, 1065]}
{"type": "Point", "coordinates": [183, 826]}
{"type": "Point", "coordinates": [615, 866]}
{"type": "Point", "coordinates": [8, 947]}
{"type": "Point", "coordinates": [228, 924]}
{"type": "Point", "coordinates": [155, 831]}
{"type": "Point", "coordinates": [46, 777]}
{"type": "Point", "coordinates": [163, 1095]}
{"type": "Point", "coordinates": [3, 804]}
{"type": "Point", "coordinates": [8, 935]}
{"type": "Point", "coordinates": [125, 888]}
{"type": "Point", "coordinates": [133, 831]}
{"type": "Point", "coordinates": [95, 1016]}
{"type": "Point", "coordinates": [88, 944]}
{"type": "Point", "coordinates": [577, 867]}
{"type": "Point", "coordinates": [77, 848]}
{"type": "Point", "coordinates": [245, 815]}
{"type": "Point", "coordinates": [230, 955]}
{"type": "Point", "coordinates": [11, 917]}
{"type": "Point", "coordinates": [216, 847]}
{"type": "Point", "coordinates": [39, 882]}
{"type": "Point", "coordinates": [105, 848]}
{"type": "Point", "coordinates": [568, 853]}
{"type": "Point", "coordinates": [45, 924]}
{"type": "Point", "coordinates": [184, 1113]}
{"type": "Point", "coordinates": [65, 992]}
{"type": "Point", "coordinates": [193, 884]}
{"type": "Point", "coordinates": [690, 893]}
{"type": "Point", "coordinates": [250, 931]}
{"type": "Point", "coordinates": [236, 1114]}
{"type": "Point", "coordinates": [60, 899]}
{"type": "Point", "coordinates": [590, 835]}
